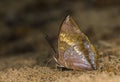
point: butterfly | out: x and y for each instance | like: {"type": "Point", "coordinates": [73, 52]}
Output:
{"type": "Point", "coordinates": [74, 50]}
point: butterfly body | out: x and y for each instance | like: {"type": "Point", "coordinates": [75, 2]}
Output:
{"type": "Point", "coordinates": [74, 48]}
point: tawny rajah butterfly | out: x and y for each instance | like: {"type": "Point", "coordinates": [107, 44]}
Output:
{"type": "Point", "coordinates": [75, 51]}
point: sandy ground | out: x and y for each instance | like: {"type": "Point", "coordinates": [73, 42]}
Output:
{"type": "Point", "coordinates": [26, 59]}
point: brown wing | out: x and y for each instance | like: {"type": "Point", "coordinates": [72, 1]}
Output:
{"type": "Point", "coordinates": [74, 48]}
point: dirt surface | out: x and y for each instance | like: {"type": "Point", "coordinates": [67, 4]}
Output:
{"type": "Point", "coordinates": [26, 56]}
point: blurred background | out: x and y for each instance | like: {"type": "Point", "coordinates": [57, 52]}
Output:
{"type": "Point", "coordinates": [24, 25]}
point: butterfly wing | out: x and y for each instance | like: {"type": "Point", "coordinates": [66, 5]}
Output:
{"type": "Point", "coordinates": [74, 48]}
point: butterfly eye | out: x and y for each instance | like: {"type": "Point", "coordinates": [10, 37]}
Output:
{"type": "Point", "coordinates": [75, 51]}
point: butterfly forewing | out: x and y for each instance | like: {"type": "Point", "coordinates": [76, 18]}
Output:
{"type": "Point", "coordinates": [74, 49]}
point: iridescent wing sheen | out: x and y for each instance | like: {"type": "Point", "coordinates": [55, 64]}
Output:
{"type": "Point", "coordinates": [74, 48]}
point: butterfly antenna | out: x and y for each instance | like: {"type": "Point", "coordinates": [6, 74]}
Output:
{"type": "Point", "coordinates": [49, 42]}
